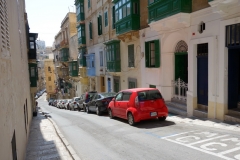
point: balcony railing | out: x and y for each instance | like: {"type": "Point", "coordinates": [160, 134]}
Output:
{"type": "Point", "coordinates": [179, 89]}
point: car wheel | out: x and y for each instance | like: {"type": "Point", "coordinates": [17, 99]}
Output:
{"type": "Point", "coordinates": [110, 114]}
{"type": "Point", "coordinates": [98, 112]}
{"type": "Point", "coordinates": [84, 108]}
{"type": "Point", "coordinates": [130, 119]}
{"type": "Point", "coordinates": [162, 118]}
{"type": "Point", "coordinates": [87, 109]}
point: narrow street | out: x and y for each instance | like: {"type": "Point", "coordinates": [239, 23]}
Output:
{"type": "Point", "coordinates": [99, 137]}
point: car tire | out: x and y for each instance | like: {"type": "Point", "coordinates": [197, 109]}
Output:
{"type": "Point", "coordinates": [130, 119]}
{"type": "Point", "coordinates": [110, 114]}
{"type": "Point", "coordinates": [98, 112]}
{"type": "Point", "coordinates": [87, 110]}
{"type": "Point", "coordinates": [84, 108]}
{"type": "Point", "coordinates": [162, 118]}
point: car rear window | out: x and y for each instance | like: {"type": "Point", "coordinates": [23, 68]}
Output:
{"type": "Point", "coordinates": [111, 94]}
{"type": "Point", "coordinates": [149, 95]}
{"type": "Point", "coordinates": [126, 96]}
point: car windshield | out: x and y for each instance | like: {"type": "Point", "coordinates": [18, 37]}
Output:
{"type": "Point", "coordinates": [111, 94]}
{"type": "Point", "coordinates": [77, 99]}
{"type": "Point", "coordinates": [149, 95]}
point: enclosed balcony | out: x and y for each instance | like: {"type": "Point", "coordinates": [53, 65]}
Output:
{"type": "Point", "coordinates": [160, 9]}
{"type": "Point", "coordinates": [113, 56]}
{"type": "Point", "coordinates": [32, 48]}
{"type": "Point", "coordinates": [62, 72]}
{"type": "Point", "coordinates": [33, 73]}
{"type": "Point", "coordinates": [127, 15]}
{"type": "Point", "coordinates": [80, 10]}
{"type": "Point", "coordinates": [64, 54]}
{"type": "Point", "coordinates": [91, 71]}
{"type": "Point", "coordinates": [82, 57]}
{"type": "Point", "coordinates": [73, 68]}
{"type": "Point", "coordinates": [81, 34]}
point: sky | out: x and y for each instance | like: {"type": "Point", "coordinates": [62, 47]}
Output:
{"type": "Point", "coordinates": [45, 17]}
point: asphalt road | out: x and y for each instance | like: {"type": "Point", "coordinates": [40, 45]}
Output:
{"type": "Point", "coordinates": [101, 138]}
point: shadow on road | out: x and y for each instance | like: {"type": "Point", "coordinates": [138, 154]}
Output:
{"type": "Point", "coordinates": [42, 141]}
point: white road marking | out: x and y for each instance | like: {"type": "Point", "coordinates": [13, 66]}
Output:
{"type": "Point", "coordinates": [229, 151]}
{"type": "Point", "coordinates": [205, 146]}
{"type": "Point", "coordinates": [178, 134]}
{"type": "Point", "coordinates": [214, 154]}
{"type": "Point", "coordinates": [182, 141]}
{"type": "Point", "coordinates": [209, 139]}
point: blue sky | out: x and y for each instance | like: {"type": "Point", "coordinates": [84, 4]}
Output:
{"type": "Point", "coordinates": [45, 17]}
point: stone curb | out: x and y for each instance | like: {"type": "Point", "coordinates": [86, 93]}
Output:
{"type": "Point", "coordinates": [206, 123]}
{"type": "Point", "coordinates": [63, 139]}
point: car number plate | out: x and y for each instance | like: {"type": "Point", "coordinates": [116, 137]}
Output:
{"type": "Point", "coordinates": [153, 114]}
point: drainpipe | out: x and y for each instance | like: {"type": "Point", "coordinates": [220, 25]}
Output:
{"type": "Point", "coordinates": [216, 79]}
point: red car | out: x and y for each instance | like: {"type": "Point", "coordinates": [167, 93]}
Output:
{"type": "Point", "coordinates": [138, 104]}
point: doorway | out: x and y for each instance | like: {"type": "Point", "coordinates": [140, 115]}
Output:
{"type": "Point", "coordinates": [202, 74]}
{"type": "Point", "coordinates": [102, 82]}
{"type": "Point", "coordinates": [233, 78]}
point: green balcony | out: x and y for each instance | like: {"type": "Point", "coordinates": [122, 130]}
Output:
{"type": "Point", "coordinates": [64, 54]}
{"type": "Point", "coordinates": [33, 73]}
{"type": "Point", "coordinates": [160, 9]}
{"type": "Point", "coordinates": [81, 34]}
{"type": "Point", "coordinates": [113, 56]}
{"type": "Point", "coordinates": [127, 16]}
{"type": "Point", "coordinates": [80, 10]}
{"type": "Point", "coordinates": [82, 57]}
{"type": "Point", "coordinates": [73, 68]}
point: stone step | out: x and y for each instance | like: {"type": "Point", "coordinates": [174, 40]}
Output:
{"type": "Point", "coordinates": [232, 118]}
{"type": "Point", "coordinates": [235, 112]}
{"type": "Point", "coordinates": [178, 101]}
{"type": "Point", "coordinates": [177, 111]}
{"type": "Point", "coordinates": [177, 105]}
{"type": "Point", "coordinates": [200, 113]}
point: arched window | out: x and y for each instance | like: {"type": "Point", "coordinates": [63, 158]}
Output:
{"type": "Point", "coordinates": [181, 47]}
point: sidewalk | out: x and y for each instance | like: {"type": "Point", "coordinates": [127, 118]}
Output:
{"type": "Point", "coordinates": [44, 142]}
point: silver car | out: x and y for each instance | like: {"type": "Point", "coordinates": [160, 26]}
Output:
{"type": "Point", "coordinates": [74, 105]}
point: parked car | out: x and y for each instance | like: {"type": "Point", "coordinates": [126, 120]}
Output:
{"type": "Point", "coordinates": [138, 104]}
{"type": "Point", "coordinates": [54, 102]}
{"type": "Point", "coordinates": [62, 104]}
{"type": "Point", "coordinates": [73, 105]}
{"type": "Point", "coordinates": [99, 102]}
{"type": "Point", "coordinates": [66, 105]}
{"type": "Point", "coordinates": [50, 101]}
{"type": "Point", "coordinates": [85, 98]}
{"type": "Point", "coordinates": [59, 103]}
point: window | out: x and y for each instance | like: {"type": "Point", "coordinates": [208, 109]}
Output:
{"type": "Point", "coordinates": [152, 86]}
{"type": "Point", "coordinates": [132, 83]}
{"type": "Point", "coordinates": [32, 45]}
{"type": "Point", "coordinates": [113, 17]}
{"type": "Point", "coordinates": [49, 69]}
{"type": "Point", "coordinates": [149, 95]}
{"type": "Point", "coordinates": [150, 1]}
{"type": "Point", "coordinates": [92, 64]}
{"type": "Point", "coordinates": [106, 18]}
{"type": "Point", "coordinates": [32, 72]}
{"type": "Point", "coordinates": [4, 27]}
{"type": "Point", "coordinates": [131, 55]}
{"type": "Point", "coordinates": [152, 54]}
{"type": "Point", "coordinates": [101, 58]}
{"type": "Point", "coordinates": [99, 25]}
{"type": "Point", "coordinates": [89, 4]}
{"type": "Point", "coordinates": [49, 78]}
{"type": "Point", "coordinates": [135, 8]}
{"type": "Point", "coordinates": [90, 30]}
{"type": "Point", "coordinates": [119, 97]}
{"type": "Point", "coordinates": [126, 96]}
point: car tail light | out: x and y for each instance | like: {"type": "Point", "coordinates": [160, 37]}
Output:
{"type": "Point", "coordinates": [74, 102]}
{"type": "Point", "coordinates": [136, 102]}
{"type": "Point", "coordinates": [62, 103]}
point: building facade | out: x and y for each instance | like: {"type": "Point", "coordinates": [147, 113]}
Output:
{"type": "Point", "coordinates": [18, 78]}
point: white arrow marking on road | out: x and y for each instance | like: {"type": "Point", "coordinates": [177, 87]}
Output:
{"type": "Point", "coordinates": [205, 146]}
{"type": "Point", "coordinates": [208, 134]}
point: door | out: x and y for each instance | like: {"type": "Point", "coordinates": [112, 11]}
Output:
{"type": "Point", "coordinates": [116, 84]}
{"type": "Point", "coordinates": [109, 85]}
{"type": "Point", "coordinates": [102, 84]}
{"type": "Point", "coordinates": [181, 66]}
{"type": "Point", "coordinates": [124, 104]}
{"type": "Point", "coordinates": [233, 78]}
{"type": "Point", "coordinates": [117, 103]}
{"type": "Point", "coordinates": [202, 74]}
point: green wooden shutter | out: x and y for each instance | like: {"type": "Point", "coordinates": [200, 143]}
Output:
{"type": "Point", "coordinates": [106, 19]}
{"type": "Point", "coordinates": [157, 54]}
{"type": "Point", "coordinates": [147, 54]}
{"type": "Point", "coordinates": [113, 17]}
{"type": "Point", "coordinates": [98, 22]}
{"type": "Point", "coordinates": [100, 26]}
